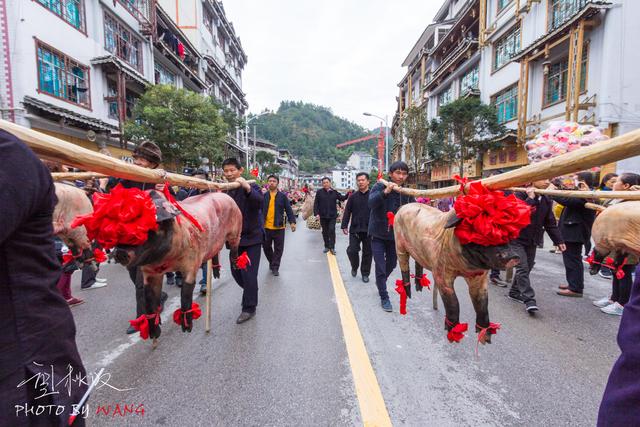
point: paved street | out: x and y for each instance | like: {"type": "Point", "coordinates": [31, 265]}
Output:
{"type": "Point", "coordinates": [289, 365]}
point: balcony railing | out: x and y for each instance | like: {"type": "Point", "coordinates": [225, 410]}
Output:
{"type": "Point", "coordinates": [563, 10]}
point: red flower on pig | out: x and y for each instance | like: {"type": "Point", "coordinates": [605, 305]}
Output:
{"type": "Point", "coordinates": [403, 296]}
{"type": "Point", "coordinates": [489, 218]}
{"type": "Point", "coordinates": [99, 255]}
{"type": "Point", "coordinates": [124, 216]}
{"type": "Point", "coordinates": [243, 261]}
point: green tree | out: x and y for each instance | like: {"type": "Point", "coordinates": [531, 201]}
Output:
{"type": "Point", "coordinates": [184, 124]}
{"type": "Point", "coordinates": [465, 129]}
{"type": "Point", "coordinates": [415, 127]}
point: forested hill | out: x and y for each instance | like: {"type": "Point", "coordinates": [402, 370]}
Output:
{"type": "Point", "coordinates": [311, 133]}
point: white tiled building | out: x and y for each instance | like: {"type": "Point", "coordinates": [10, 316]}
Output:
{"type": "Point", "coordinates": [75, 68]}
{"type": "Point", "coordinates": [343, 177]}
{"type": "Point", "coordinates": [536, 61]}
{"type": "Point", "coordinates": [361, 161]}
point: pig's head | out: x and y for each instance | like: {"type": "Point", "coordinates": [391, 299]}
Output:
{"type": "Point", "coordinates": [498, 257]}
{"type": "Point", "coordinates": [159, 242]}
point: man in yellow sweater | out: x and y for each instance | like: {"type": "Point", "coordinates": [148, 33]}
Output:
{"type": "Point", "coordinates": [276, 204]}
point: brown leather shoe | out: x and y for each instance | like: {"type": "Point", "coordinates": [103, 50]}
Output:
{"type": "Point", "coordinates": [563, 287]}
{"type": "Point", "coordinates": [569, 293]}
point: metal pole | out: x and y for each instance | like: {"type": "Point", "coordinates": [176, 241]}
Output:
{"type": "Point", "coordinates": [386, 142]}
{"type": "Point", "coordinates": [254, 145]}
{"type": "Point", "coordinates": [246, 138]}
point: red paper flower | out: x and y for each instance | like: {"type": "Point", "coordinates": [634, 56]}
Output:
{"type": "Point", "coordinates": [124, 216]}
{"type": "Point", "coordinates": [424, 282]}
{"type": "Point", "coordinates": [457, 332]}
{"type": "Point", "coordinates": [99, 255]}
{"type": "Point", "coordinates": [141, 324]}
{"type": "Point", "coordinates": [491, 329]}
{"type": "Point", "coordinates": [243, 261]}
{"type": "Point", "coordinates": [403, 296]}
{"type": "Point", "coordinates": [67, 258]}
{"type": "Point", "coordinates": [489, 218]}
{"type": "Point", "coordinates": [390, 219]}
{"type": "Point", "coordinates": [255, 172]}
{"type": "Point", "coordinates": [180, 317]}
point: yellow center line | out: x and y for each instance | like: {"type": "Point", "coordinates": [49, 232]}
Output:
{"type": "Point", "coordinates": [372, 407]}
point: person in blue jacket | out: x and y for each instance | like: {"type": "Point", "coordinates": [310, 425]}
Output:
{"type": "Point", "coordinates": [384, 200]}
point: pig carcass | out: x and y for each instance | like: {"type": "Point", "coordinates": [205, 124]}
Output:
{"type": "Point", "coordinates": [72, 202]}
{"type": "Point", "coordinates": [616, 232]}
{"type": "Point", "coordinates": [185, 236]}
{"type": "Point", "coordinates": [427, 235]}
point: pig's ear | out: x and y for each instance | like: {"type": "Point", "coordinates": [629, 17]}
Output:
{"type": "Point", "coordinates": [453, 220]}
{"type": "Point", "coordinates": [164, 209]}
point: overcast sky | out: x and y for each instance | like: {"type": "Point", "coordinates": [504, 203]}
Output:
{"type": "Point", "coordinates": [342, 54]}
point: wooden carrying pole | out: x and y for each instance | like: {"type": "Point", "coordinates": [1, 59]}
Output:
{"type": "Point", "coordinates": [624, 195]}
{"type": "Point", "coordinates": [207, 320]}
{"type": "Point", "coordinates": [612, 150]}
{"type": "Point", "coordinates": [51, 148]}
{"type": "Point", "coordinates": [70, 176]}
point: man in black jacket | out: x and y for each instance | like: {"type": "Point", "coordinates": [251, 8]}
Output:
{"type": "Point", "coordinates": [357, 212]}
{"type": "Point", "coordinates": [276, 204]}
{"type": "Point", "coordinates": [146, 155]}
{"type": "Point", "coordinates": [325, 207]}
{"type": "Point", "coordinates": [249, 199]}
{"type": "Point", "coordinates": [542, 219]}
{"type": "Point", "coordinates": [575, 226]}
{"type": "Point", "coordinates": [382, 201]}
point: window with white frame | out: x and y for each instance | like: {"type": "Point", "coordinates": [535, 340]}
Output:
{"type": "Point", "coordinates": [555, 79]}
{"type": "Point", "coordinates": [445, 97]}
{"type": "Point", "coordinates": [469, 81]}
{"type": "Point", "coordinates": [502, 4]}
{"type": "Point", "coordinates": [61, 76]}
{"type": "Point", "coordinates": [164, 76]}
{"type": "Point", "coordinates": [70, 11]}
{"type": "Point", "coordinates": [506, 103]}
{"type": "Point", "coordinates": [506, 47]}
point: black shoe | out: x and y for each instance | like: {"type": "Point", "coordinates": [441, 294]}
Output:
{"type": "Point", "coordinates": [244, 316]}
{"type": "Point", "coordinates": [203, 289]}
{"type": "Point", "coordinates": [171, 281]}
{"type": "Point", "coordinates": [275, 272]}
{"type": "Point", "coordinates": [365, 279]}
{"type": "Point", "coordinates": [531, 307]}
{"type": "Point", "coordinates": [131, 330]}
{"type": "Point", "coordinates": [354, 273]}
{"type": "Point", "coordinates": [516, 298]}
{"type": "Point", "coordinates": [325, 250]}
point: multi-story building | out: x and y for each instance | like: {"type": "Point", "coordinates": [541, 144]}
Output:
{"type": "Point", "coordinates": [75, 68]}
{"type": "Point", "coordinates": [344, 177]}
{"type": "Point", "coordinates": [536, 61]}
{"type": "Point", "coordinates": [288, 169]}
{"type": "Point", "coordinates": [361, 161]}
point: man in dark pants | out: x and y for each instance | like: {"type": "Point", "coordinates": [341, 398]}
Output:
{"type": "Point", "coordinates": [276, 204]}
{"type": "Point", "coordinates": [325, 208]}
{"type": "Point", "coordinates": [575, 227]}
{"type": "Point", "coordinates": [146, 155]}
{"type": "Point", "coordinates": [249, 199]}
{"type": "Point", "coordinates": [37, 333]}
{"type": "Point", "coordinates": [525, 246]}
{"type": "Point", "coordinates": [384, 200]}
{"type": "Point", "coordinates": [357, 212]}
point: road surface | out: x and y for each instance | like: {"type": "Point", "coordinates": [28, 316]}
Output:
{"type": "Point", "coordinates": [290, 364]}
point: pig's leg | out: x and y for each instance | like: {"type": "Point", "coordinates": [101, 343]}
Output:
{"type": "Point", "coordinates": [480, 299]}
{"type": "Point", "coordinates": [186, 300]}
{"type": "Point", "coordinates": [403, 260]}
{"type": "Point", "coordinates": [216, 266]}
{"type": "Point", "coordinates": [598, 258]}
{"type": "Point", "coordinates": [233, 254]}
{"type": "Point", "coordinates": [448, 294]}
{"type": "Point", "coordinates": [152, 294]}
{"type": "Point", "coordinates": [419, 273]}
